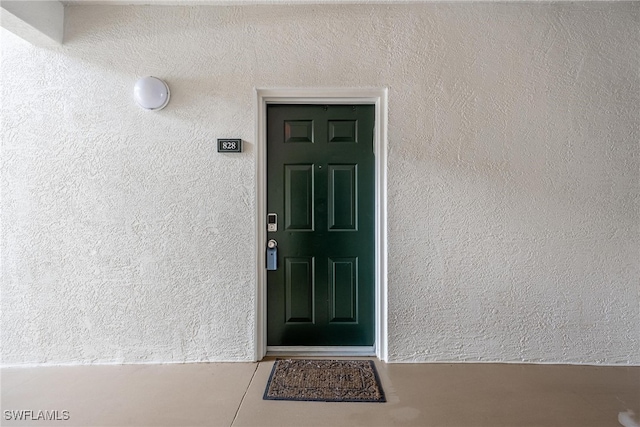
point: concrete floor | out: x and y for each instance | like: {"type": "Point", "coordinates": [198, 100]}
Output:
{"type": "Point", "coordinates": [230, 394]}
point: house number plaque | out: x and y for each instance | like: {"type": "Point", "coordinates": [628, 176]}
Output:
{"type": "Point", "coordinates": [229, 145]}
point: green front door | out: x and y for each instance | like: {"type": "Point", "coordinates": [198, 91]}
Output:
{"type": "Point", "coordinates": [320, 184]}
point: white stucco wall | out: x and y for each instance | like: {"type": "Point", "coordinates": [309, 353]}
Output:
{"type": "Point", "coordinates": [514, 175]}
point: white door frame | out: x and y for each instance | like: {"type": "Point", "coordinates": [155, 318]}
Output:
{"type": "Point", "coordinates": [378, 97]}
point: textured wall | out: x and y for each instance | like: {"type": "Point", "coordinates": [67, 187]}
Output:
{"type": "Point", "coordinates": [513, 178]}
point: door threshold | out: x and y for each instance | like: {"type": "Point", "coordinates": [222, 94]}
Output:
{"type": "Point", "coordinates": [357, 351]}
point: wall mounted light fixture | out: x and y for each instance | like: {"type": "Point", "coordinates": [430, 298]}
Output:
{"type": "Point", "coordinates": [151, 93]}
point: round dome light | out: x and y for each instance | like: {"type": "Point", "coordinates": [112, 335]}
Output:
{"type": "Point", "coordinates": [151, 93]}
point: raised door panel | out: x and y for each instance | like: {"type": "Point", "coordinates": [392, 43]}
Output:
{"type": "Point", "coordinates": [299, 197]}
{"type": "Point", "coordinates": [343, 131]}
{"type": "Point", "coordinates": [300, 131]}
{"type": "Point", "coordinates": [343, 289]}
{"type": "Point", "coordinates": [299, 289]}
{"type": "Point", "coordinates": [343, 197]}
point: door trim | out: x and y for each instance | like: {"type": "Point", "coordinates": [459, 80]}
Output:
{"type": "Point", "coordinates": [379, 98]}
{"type": "Point", "coordinates": [360, 351]}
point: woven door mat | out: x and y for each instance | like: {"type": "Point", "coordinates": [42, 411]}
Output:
{"type": "Point", "coordinates": [324, 380]}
